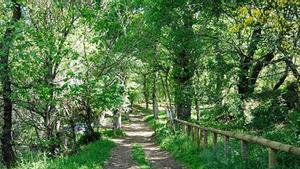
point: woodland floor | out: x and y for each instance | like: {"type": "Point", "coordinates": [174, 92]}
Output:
{"type": "Point", "coordinates": [137, 132]}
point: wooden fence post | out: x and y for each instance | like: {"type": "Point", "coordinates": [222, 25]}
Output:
{"type": "Point", "coordinates": [198, 136]}
{"type": "Point", "coordinates": [226, 145]}
{"type": "Point", "coordinates": [179, 127]}
{"type": "Point", "coordinates": [215, 140]}
{"type": "Point", "coordinates": [244, 149]}
{"type": "Point", "coordinates": [173, 123]}
{"type": "Point", "coordinates": [205, 138]}
{"type": "Point", "coordinates": [193, 134]}
{"type": "Point", "coordinates": [272, 158]}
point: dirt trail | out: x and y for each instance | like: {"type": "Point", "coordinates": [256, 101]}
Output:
{"type": "Point", "coordinates": [138, 132]}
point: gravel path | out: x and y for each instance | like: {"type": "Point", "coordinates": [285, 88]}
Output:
{"type": "Point", "coordinates": [138, 132]}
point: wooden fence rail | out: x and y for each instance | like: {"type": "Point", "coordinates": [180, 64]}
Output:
{"type": "Point", "coordinates": [202, 132]}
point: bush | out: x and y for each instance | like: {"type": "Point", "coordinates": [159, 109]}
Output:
{"type": "Point", "coordinates": [89, 138]}
{"type": "Point", "coordinates": [268, 113]}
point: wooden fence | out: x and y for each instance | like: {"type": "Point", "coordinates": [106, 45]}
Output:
{"type": "Point", "coordinates": [199, 132]}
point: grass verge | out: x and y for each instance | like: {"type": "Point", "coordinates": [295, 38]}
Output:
{"type": "Point", "coordinates": [138, 156]}
{"type": "Point", "coordinates": [110, 133]}
{"type": "Point", "coordinates": [91, 156]}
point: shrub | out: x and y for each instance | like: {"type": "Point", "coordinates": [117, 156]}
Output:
{"type": "Point", "coordinates": [89, 138]}
{"type": "Point", "coordinates": [269, 112]}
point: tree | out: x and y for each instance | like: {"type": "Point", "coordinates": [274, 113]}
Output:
{"type": "Point", "coordinates": [43, 45]}
{"type": "Point", "coordinates": [5, 45]}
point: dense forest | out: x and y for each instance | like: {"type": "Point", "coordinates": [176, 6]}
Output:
{"type": "Point", "coordinates": [64, 64]}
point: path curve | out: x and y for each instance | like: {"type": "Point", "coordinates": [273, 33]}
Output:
{"type": "Point", "coordinates": [138, 132]}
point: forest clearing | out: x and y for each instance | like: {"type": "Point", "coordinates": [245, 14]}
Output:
{"type": "Point", "coordinates": [149, 84]}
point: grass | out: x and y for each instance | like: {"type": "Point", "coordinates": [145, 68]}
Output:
{"type": "Point", "coordinates": [91, 156]}
{"type": "Point", "coordinates": [113, 133]}
{"type": "Point", "coordinates": [185, 151]}
{"type": "Point", "coordinates": [138, 156]}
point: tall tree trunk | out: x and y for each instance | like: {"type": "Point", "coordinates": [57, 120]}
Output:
{"type": "Point", "coordinates": [73, 135]}
{"type": "Point", "coordinates": [257, 68]}
{"type": "Point", "coordinates": [282, 79]}
{"type": "Point", "coordinates": [47, 114]}
{"type": "Point", "coordinates": [183, 73]}
{"type": "Point", "coordinates": [89, 119]}
{"type": "Point", "coordinates": [246, 63]}
{"type": "Point", "coordinates": [243, 84]}
{"type": "Point", "coordinates": [48, 127]}
{"type": "Point", "coordinates": [184, 67]}
{"type": "Point", "coordinates": [72, 124]}
{"type": "Point", "coordinates": [168, 92]}
{"type": "Point", "coordinates": [6, 139]}
{"type": "Point", "coordinates": [165, 84]}
{"type": "Point", "coordinates": [154, 98]}
{"type": "Point", "coordinates": [146, 92]}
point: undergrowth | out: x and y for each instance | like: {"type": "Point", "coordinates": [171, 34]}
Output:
{"type": "Point", "coordinates": [91, 156]}
{"type": "Point", "coordinates": [113, 133]}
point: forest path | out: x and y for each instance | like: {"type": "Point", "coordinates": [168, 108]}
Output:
{"type": "Point", "coordinates": [138, 132]}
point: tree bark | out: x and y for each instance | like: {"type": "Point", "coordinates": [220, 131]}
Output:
{"type": "Point", "coordinates": [293, 67]}
{"type": "Point", "coordinates": [166, 89]}
{"type": "Point", "coordinates": [184, 67]}
{"type": "Point", "coordinates": [73, 135]}
{"type": "Point", "coordinates": [6, 139]}
{"type": "Point", "coordinates": [146, 92]}
{"type": "Point", "coordinates": [282, 79]}
{"type": "Point", "coordinates": [257, 69]}
{"type": "Point", "coordinates": [89, 119]}
{"type": "Point", "coordinates": [48, 110]}
{"type": "Point", "coordinates": [246, 63]}
{"type": "Point", "coordinates": [250, 71]}
{"type": "Point", "coordinates": [154, 98]}
{"type": "Point", "coordinates": [72, 124]}
{"type": "Point", "coordinates": [168, 92]}
{"type": "Point", "coordinates": [183, 73]}
{"type": "Point", "coordinates": [243, 75]}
